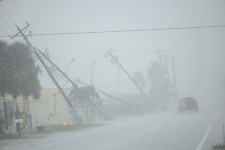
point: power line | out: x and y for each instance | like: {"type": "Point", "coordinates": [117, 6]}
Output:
{"type": "Point", "coordinates": [7, 14]}
{"type": "Point", "coordinates": [3, 29]}
{"type": "Point", "coordinates": [21, 14]}
{"type": "Point", "coordinates": [4, 21]}
{"type": "Point", "coordinates": [18, 10]}
{"type": "Point", "coordinates": [132, 30]}
{"type": "Point", "coordinates": [23, 17]}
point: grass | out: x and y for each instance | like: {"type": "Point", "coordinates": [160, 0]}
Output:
{"type": "Point", "coordinates": [8, 137]}
{"type": "Point", "coordinates": [219, 146]}
{"type": "Point", "coordinates": [49, 130]}
{"type": "Point", "coordinates": [65, 128]}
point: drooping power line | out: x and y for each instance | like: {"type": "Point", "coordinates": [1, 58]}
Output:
{"type": "Point", "coordinates": [25, 20]}
{"type": "Point", "coordinates": [131, 30]}
{"type": "Point", "coordinates": [21, 14]}
{"type": "Point", "coordinates": [4, 21]}
{"type": "Point", "coordinates": [3, 8]}
{"type": "Point", "coordinates": [1, 27]}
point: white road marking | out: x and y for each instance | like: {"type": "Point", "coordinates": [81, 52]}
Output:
{"type": "Point", "coordinates": [201, 143]}
{"type": "Point", "coordinates": [199, 147]}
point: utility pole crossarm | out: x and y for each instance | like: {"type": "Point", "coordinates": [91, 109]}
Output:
{"type": "Point", "coordinates": [45, 66]}
{"type": "Point", "coordinates": [20, 30]}
{"type": "Point", "coordinates": [74, 84]}
{"type": "Point", "coordinates": [142, 92]}
{"type": "Point", "coordinates": [64, 74]}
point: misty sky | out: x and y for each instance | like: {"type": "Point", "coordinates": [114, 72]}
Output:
{"type": "Point", "coordinates": [199, 53]}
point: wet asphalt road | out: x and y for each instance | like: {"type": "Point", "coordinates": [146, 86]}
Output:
{"type": "Point", "coordinates": [167, 130]}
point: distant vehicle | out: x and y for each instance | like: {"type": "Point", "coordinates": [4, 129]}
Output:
{"type": "Point", "coordinates": [188, 104]}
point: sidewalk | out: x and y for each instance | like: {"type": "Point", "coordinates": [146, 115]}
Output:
{"type": "Point", "coordinates": [47, 130]}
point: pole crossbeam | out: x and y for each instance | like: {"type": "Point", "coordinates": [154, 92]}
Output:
{"type": "Point", "coordinates": [118, 63]}
{"type": "Point", "coordinates": [43, 63]}
{"type": "Point", "coordinates": [37, 51]}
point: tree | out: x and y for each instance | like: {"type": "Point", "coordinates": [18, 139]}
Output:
{"type": "Point", "coordinates": [25, 77]}
{"type": "Point", "coordinates": [155, 74]}
{"type": "Point", "coordinates": [19, 75]}
{"type": "Point", "coordinates": [158, 90]}
{"type": "Point", "coordinates": [4, 69]}
{"type": "Point", "coordinates": [4, 80]}
{"type": "Point", "coordinates": [86, 96]}
{"type": "Point", "coordinates": [140, 79]}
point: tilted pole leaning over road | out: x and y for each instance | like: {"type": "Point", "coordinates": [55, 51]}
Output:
{"type": "Point", "coordinates": [45, 66]}
{"type": "Point", "coordinates": [142, 92]}
{"type": "Point", "coordinates": [174, 77]}
{"type": "Point", "coordinates": [69, 79]}
{"type": "Point", "coordinates": [64, 74]}
{"type": "Point", "coordinates": [108, 95]}
{"type": "Point", "coordinates": [74, 84]}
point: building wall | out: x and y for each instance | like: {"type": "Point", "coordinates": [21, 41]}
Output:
{"type": "Point", "coordinates": [54, 112]}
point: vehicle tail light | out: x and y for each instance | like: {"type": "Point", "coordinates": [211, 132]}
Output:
{"type": "Point", "coordinates": [197, 103]}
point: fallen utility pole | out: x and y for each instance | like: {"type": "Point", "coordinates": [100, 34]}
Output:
{"type": "Point", "coordinates": [118, 99]}
{"type": "Point", "coordinates": [43, 63]}
{"type": "Point", "coordinates": [69, 79]}
{"type": "Point", "coordinates": [64, 74]}
{"type": "Point", "coordinates": [131, 78]}
{"type": "Point", "coordinates": [174, 76]}
{"type": "Point", "coordinates": [108, 95]}
{"type": "Point", "coordinates": [74, 84]}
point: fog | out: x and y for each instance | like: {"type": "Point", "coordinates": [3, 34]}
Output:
{"type": "Point", "coordinates": [199, 52]}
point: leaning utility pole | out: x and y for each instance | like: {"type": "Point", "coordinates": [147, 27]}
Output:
{"type": "Point", "coordinates": [131, 78]}
{"type": "Point", "coordinates": [167, 70]}
{"type": "Point", "coordinates": [108, 95]}
{"type": "Point", "coordinates": [74, 84]}
{"type": "Point", "coordinates": [159, 55]}
{"type": "Point", "coordinates": [164, 66]}
{"type": "Point", "coordinates": [42, 62]}
{"type": "Point", "coordinates": [53, 64]}
{"type": "Point", "coordinates": [174, 77]}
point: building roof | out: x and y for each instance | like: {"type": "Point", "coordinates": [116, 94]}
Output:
{"type": "Point", "coordinates": [46, 95]}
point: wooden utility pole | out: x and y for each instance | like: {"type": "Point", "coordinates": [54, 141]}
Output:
{"type": "Point", "coordinates": [174, 77]}
{"type": "Point", "coordinates": [159, 55]}
{"type": "Point", "coordinates": [64, 74]}
{"type": "Point", "coordinates": [74, 84]}
{"type": "Point", "coordinates": [167, 70]}
{"type": "Point", "coordinates": [42, 62]}
{"type": "Point", "coordinates": [108, 95]}
{"type": "Point", "coordinates": [131, 78]}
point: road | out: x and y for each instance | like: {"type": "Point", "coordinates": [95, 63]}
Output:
{"type": "Point", "coordinates": [168, 130]}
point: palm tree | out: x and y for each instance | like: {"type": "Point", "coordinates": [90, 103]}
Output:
{"type": "Point", "coordinates": [86, 95]}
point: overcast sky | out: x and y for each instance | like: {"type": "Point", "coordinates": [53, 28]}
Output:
{"type": "Point", "coordinates": [199, 53]}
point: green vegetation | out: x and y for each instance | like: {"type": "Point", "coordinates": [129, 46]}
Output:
{"type": "Point", "coordinates": [66, 128]}
{"type": "Point", "coordinates": [18, 71]}
{"type": "Point", "coordinates": [139, 78]}
{"type": "Point", "coordinates": [219, 146]}
{"type": "Point", "coordinates": [8, 137]}
{"type": "Point", "coordinates": [85, 95]}
{"type": "Point", "coordinates": [1, 124]}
